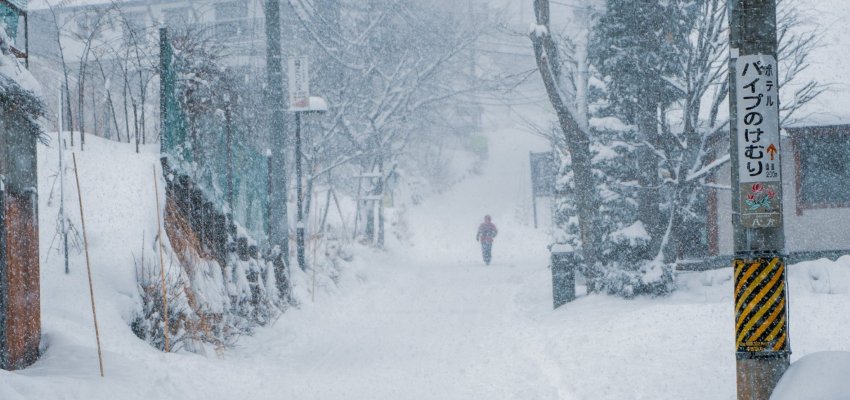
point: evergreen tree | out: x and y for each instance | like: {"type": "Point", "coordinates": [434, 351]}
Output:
{"type": "Point", "coordinates": [637, 47]}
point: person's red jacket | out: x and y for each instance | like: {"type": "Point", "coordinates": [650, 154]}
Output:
{"type": "Point", "coordinates": [486, 232]}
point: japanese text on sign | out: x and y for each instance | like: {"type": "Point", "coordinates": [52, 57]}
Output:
{"type": "Point", "coordinates": [299, 83]}
{"type": "Point", "coordinates": [758, 118]}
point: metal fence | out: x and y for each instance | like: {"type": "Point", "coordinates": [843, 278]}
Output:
{"type": "Point", "coordinates": [216, 157]}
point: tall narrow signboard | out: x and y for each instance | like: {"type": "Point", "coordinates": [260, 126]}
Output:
{"type": "Point", "coordinates": [299, 84]}
{"type": "Point", "coordinates": [758, 141]}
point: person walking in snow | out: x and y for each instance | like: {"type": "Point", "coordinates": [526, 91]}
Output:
{"type": "Point", "coordinates": [486, 232]}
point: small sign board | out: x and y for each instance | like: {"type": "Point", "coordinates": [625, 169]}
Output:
{"type": "Point", "coordinates": [758, 152]}
{"type": "Point", "coordinates": [299, 83]}
{"type": "Point", "coordinates": [543, 174]}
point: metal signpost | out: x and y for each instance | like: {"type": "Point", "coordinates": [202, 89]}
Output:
{"type": "Point", "coordinates": [300, 102]}
{"type": "Point", "coordinates": [761, 313]}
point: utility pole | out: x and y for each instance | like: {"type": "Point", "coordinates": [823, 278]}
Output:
{"type": "Point", "coordinates": [278, 217]}
{"type": "Point", "coordinates": [761, 314]}
{"type": "Point", "coordinates": [299, 187]}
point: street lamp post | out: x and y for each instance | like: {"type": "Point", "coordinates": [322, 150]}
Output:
{"type": "Point", "coordinates": [317, 105]}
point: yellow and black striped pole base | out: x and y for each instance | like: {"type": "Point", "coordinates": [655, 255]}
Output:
{"type": "Point", "coordinates": [761, 312]}
{"type": "Point", "coordinates": [761, 325]}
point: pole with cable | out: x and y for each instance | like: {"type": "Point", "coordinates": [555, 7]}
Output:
{"type": "Point", "coordinates": [761, 314]}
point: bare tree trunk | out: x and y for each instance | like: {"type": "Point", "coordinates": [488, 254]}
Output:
{"type": "Point", "coordinates": [649, 198]}
{"type": "Point", "coordinates": [577, 138]}
{"type": "Point", "coordinates": [109, 102]}
{"type": "Point", "coordinates": [93, 109]}
{"type": "Point", "coordinates": [228, 126]}
{"type": "Point", "coordinates": [70, 114]}
{"type": "Point", "coordinates": [136, 125]}
{"type": "Point", "coordinates": [324, 219]}
{"type": "Point", "coordinates": [126, 107]}
{"type": "Point", "coordinates": [81, 106]}
{"type": "Point", "coordinates": [70, 121]}
{"type": "Point", "coordinates": [142, 92]}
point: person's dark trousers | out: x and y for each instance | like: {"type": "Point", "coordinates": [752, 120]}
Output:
{"type": "Point", "coordinates": [487, 251]}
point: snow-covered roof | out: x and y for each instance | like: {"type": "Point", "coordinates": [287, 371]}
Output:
{"type": "Point", "coordinates": [13, 70]}
{"type": "Point", "coordinates": [18, 88]}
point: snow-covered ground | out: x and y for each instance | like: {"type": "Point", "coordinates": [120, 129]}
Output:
{"type": "Point", "coordinates": [423, 320]}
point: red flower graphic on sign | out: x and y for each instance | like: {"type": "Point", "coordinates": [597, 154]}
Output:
{"type": "Point", "coordinates": [760, 197]}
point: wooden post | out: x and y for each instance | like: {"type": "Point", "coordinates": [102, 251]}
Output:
{"type": "Point", "coordinates": [161, 263]}
{"type": "Point", "coordinates": [88, 263]}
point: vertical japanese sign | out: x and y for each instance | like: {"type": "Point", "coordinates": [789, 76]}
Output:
{"type": "Point", "coordinates": [299, 83]}
{"type": "Point", "coordinates": [759, 164]}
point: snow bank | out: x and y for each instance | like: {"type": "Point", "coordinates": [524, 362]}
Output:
{"type": "Point", "coordinates": [818, 376]}
{"type": "Point", "coordinates": [825, 276]}
{"type": "Point", "coordinates": [120, 211]}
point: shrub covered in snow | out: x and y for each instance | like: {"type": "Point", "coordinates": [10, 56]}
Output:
{"type": "Point", "coordinates": [20, 93]}
{"type": "Point", "coordinates": [629, 266]}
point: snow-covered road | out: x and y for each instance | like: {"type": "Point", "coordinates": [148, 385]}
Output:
{"type": "Point", "coordinates": [417, 332]}
{"type": "Point", "coordinates": [432, 321]}
{"type": "Point", "coordinates": [425, 319]}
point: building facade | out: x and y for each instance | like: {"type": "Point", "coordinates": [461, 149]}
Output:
{"type": "Point", "coordinates": [815, 194]}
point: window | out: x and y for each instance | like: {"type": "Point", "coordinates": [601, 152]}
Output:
{"type": "Point", "coordinates": [176, 17]}
{"type": "Point", "coordinates": [233, 30]}
{"type": "Point", "coordinates": [824, 162]}
{"type": "Point", "coordinates": [232, 21]}
{"type": "Point", "coordinates": [231, 10]}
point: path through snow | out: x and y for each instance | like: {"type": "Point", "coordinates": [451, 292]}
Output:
{"type": "Point", "coordinates": [432, 322]}
{"type": "Point", "coordinates": [425, 321]}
